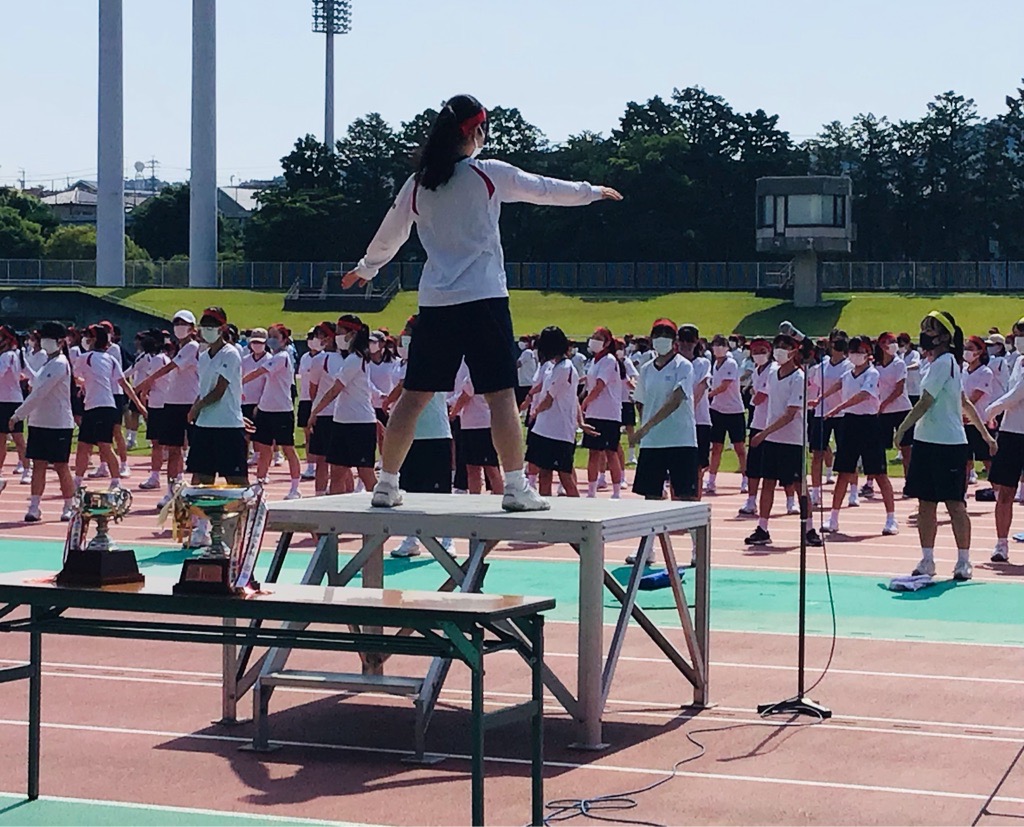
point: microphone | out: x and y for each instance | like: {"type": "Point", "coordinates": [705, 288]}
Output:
{"type": "Point", "coordinates": [787, 329]}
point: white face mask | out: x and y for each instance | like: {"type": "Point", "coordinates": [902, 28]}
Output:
{"type": "Point", "coordinates": [374, 347]}
{"type": "Point", "coordinates": [760, 359]}
{"type": "Point", "coordinates": [257, 347]}
{"type": "Point", "coordinates": [315, 345]}
{"type": "Point", "coordinates": [182, 331]}
{"type": "Point", "coordinates": [663, 345]}
{"type": "Point", "coordinates": [479, 147]}
{"type": "Point", "coordinates": [903, 350]}
{"type": "Point", "coordinates": [49, 346]}
{"type": "Point", "coordinates": [595, 346]}
{"type": "Point", "coordinates": [971, 355]}
{"type": "Point", "coordinates": [858, 359]}
{"type": "Point", "coordinates": [993, 350]}
{"type": "Point", "coordinates": [86, 344]}
{"type": "Point", "coordinates": [892, 348]}
{"type": "Point", "coordinates": [209, 334]}
{"type": "Point", "coordinates": [720, 351]}
{"type": "Point", "coordinates": [1018, 343]}
{"type": "Point", "coordinates": [522, 345]}
{"type": "Point", "coordinates": [781, 355]}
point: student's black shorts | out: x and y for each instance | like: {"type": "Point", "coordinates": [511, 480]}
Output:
{"type": "Point", "coordinates": [862, 440]}
{"type": "Point", "coordinates": [550, 454]}
{"type": "Point", "coordinates": [97, 426]}
{"type": "Point", "coordinates": [249, 412]}
{"type": "Point", "coordinates": [275, 426]}
{"type": "Point", "coordinates": [629, 414]}
{"type": "Point", "coordinates": [7, 410]}
{"type": "Point", "coordinates": [723, 424]}
{"type": "Point", "coordinates": [217, 451]}
{"type": "Point", "coordinates": [703, 446]}
{"type": "Point", "coordinates": [938, 473]}
{"type": "Point", "coordinates": [755, 457]}
{"type": "Point", "coordinates": [782, 462]}
{"type": "Point", "coordinates": [121, 403]}
{"type": "Point", "coordinates": [305, 409]}
{"type": "Point", "coordinates": [1007, 464]}
{"type": "Point", "coordinates": [477, 447]}
{"type": "Point", "coordinates": [976, 445]}
{"type": "Point", "coordinates": [480, 332]}
{"type": "Point", "coordinates": [428, 467]}
{"type": "Point", "coordinates": [154, 416]}
{"type": "Point", "coordinates": [888, 423]}
{"type": "Point", "coordinates": [908, 437]}
{"type": "Point", "coordinates": [820, 431]}
{"type": "Point", "coordinates": [607, 438]}
{"type": "Point", "coordinates": [52, 445]}
{"type": "Point", "coordinates": [320, 439]}
{"type": "Point", "coordinates": [677, 465]}
{"type": "Point", "coordinates": [353, 444]}
{"type": "Point", "coordinates": [174, 425]}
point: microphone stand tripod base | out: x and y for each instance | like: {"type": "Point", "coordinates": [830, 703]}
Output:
{"type": "Point", "coordinates": [796, 706]}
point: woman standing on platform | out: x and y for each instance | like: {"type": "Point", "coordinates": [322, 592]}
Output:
{"type": "Point", "coordinates": [455, 202]}
{"type": "Point", "coordinates": [938, 464]}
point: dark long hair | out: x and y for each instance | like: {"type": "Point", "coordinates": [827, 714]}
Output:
{"type": "Point", "coordinates": [435, 162]}
{"type": "Point", "coordinates": [361, 343]}
{"type": "Point", "coordinates": [552, 344]}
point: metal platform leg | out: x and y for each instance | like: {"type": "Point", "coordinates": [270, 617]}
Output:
{"type": "Point", "coordinates": [477, 731]}
{"type": "Point", "coordinates": [35, 691]}
{"type": "Point", "coordinates": [590, 643]}
{"type": "Point", "coordinates": [701, 612]}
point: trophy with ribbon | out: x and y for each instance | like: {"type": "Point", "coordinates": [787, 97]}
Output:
{"type": "Point", "coordinates": [238, 517]}
{"type": "Point", "coordinates": [98, 562]}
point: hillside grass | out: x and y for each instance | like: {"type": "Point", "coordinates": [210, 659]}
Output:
{"type": "Point", "coordinates": [713, 312]}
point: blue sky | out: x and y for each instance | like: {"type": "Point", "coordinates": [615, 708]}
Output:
{"type": "Point", "coordinates": [569, 65]}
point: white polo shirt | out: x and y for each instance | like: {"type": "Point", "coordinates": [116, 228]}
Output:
{"type": "Point", "coordinates": [353, 405]}
{"type": "Point", "coordinates": [183, 383]}
{"type": "Point", "coordinates": [729, 401]}
{"type": "Point", "coordinates": [559, 380]}
{"type": "Point", "coordinates": [607, 404]}
{"type": "Point", "coordinates": [653, 389]}
{"type": "Point", "coordinates": [854, 384]}
{"type": "Point", "coordinates": [784, 393]}
{"type": "Point", "coordinates": [889, 376]}
{"type": "Point", "coordinates": [942, 423]}
{"type": "Point", "coordinates": [226, 412]}
{"type": "Point", "coordinates": [49, 403]}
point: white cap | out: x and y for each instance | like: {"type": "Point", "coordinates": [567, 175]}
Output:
{"type": "Point", "coordinates": [185, 316]}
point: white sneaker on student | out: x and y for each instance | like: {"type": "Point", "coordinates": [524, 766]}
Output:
{"type": "Point", "coordinates": [100, 473]}
{"type": "Point", "coordinates": [278, 459]}
{"type": "Point", "coordinates": [891, 527]}
{"type": "Point", "coordinates": [386, 495]}
{"type": "Point", "coordinates": [150, 483]}
{"type": "Point", "coordinates": [649, 561]}
{"type": "Point", "coordinates": [1001, 553]}
{"type": "Point", "coordinates": [926, 566]}
{"type": "Point", "coordinates": [19, 468]}
{"type": "Point", "coordinates": [854, 500]}
{"type": "Point", "coordinates": [66, 513]}
{"type": "Point", "coordinates": [165, 499]}
{"type": "Point", "coordinates": [410, 548]}
{"type": "Point", "coordinates": [525, 499]}
{"type": "Point", "coordinates": [293, 495]}
{"type": "Point", "coordinates": [963, 570]}
{"type": "Point", "coordinates": [309, 474]}
{"type": "Point", "coordinates": [832, 526]}
{"type": "Point", "coordinates": [448, 544]}
{"type": "Point", "coordinates": [34, 514]}
{"type": "Point", "coordinates": [743, 485]}
{"type": "Point", "coordinates": [126, 472]}
{"type": "Point", "coordinates": [793, 507]}
{"type": "Point", "coordinates": [26, 476]}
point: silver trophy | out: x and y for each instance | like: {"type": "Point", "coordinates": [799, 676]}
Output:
{"type": "Point", "coordinates": [99, 562]}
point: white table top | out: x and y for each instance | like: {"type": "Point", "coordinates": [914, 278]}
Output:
{"type": "Point", "coordinates": [570, 520]}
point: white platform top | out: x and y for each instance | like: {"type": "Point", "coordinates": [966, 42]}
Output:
{"type": "Point", "coordinates": [570, 520]}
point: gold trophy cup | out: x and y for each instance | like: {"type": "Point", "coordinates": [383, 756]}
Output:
{"type": "Point", "coordinates": [99, 562]}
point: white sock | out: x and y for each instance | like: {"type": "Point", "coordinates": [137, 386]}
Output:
{"type": "Point", "coordinates": [816, 492]}
{"type": "Point", "coordinates": [712, 478]}
{"type": "Point", "coordinates": [78, 482]}
{"type": "Point", "coordinates": [387, 478]}
{"type": "Point", "coordinates": [890, 516]}
{"type": "Point", "coordinates": [33, 502]}
{"type": "Point", "coordinates": [295, 484]}
{"type": "Point", "coordinates": [1002, 543]}
{"type": "Point", "coordinates": [69, 502]}
{"type": "Point", "coordinates": [928, 553]}
{"type": "Point", "coordinates": [515, 480]}
{"type": "Point", "coordinates": [762, 523]}
{"type": "Point", "coordinates": [790, 502]}
{"type": "Point", "coordinates": [592, 489]}
{"type": "Point", "coordinates": [616, 490]}
{"type": "Point", "coordinates": [750, 502]}
{"type": "Point", "coordinates": [963, 555]}
{"type": "Point", "coordinates": [834, 516]}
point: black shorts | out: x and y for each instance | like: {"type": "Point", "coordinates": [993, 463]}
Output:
{"type": "Point", "coordinates": [153, 419]}
{"type": "Point", "coordinates": [703, 446]}
{"type": "Point", "coordinates": [133, 408]}
{"type": "Point", "coordinates": [888, 423]}
{"type": "Point", "coordinates": [480, 332]}
{"type": "Point", "coordinates": [550, 454]}
{"type": "Point", "coordinates": [677, 465]}
{"type": "Point", "coordinates": [1007, 464]}
{"type": "Point", "coordinates": [214, 451]}
{"type": "Point", "coordinates": [249, 412]}
{"type": "Point", "coordinates": [521, 393]}
{"type": "Point", "coordinates": [938, 473]}
{"type": "Point", "coordinates": [77, 400]}
{"type": "Point", "coordinates": [97, 426]}
{"type": "Point", "coordinates": [908, 437]}
{"type": "Point", "coordinates": [382, 416]}
{"type": "Point", "coordinates": [607, 438]}
{"type": "Point", "coordinates": [305, 409]}
{"type": "Point", "coordinates": [477, 447]}
{"type": "Point", "coordinates": [174, 425]}
{"type": "Point", "coordinates": [864, 440]}
{"type": "Point", "coordinates": [320, 439]}
{"type": "Point", "coordinates": [820, 431]}
{"type": "Point", "coordinates": [274, 426]}
{"type": "Point", "coordinates": [428, 467]}
{"type": "Point", "coordinates": [731, 424]}
{"type": "Point", "coordinates": [629, 414]}
{"type": "Point", "coordinates": [755, 457]}
{"type": "Point", "coordinates": [121, 403]}
{"type": "Point", "coordinates": [782, 462]}
{"type": "Point", "coordinates": [7, 410]}
{"type": "Point", "coordinates": [353, 444]}
{"type": "Point", "coordinates": [976, 445]}
{"type": "Point", "coordinates": [51, 445]}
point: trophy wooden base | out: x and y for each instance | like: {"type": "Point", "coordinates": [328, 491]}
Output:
{"type": "Point", "coordinates": [207, 575]}
{"type": "Point", "coordinates": [94, 568]}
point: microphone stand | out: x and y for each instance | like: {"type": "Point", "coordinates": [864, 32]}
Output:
{"type": "Point", "coordinates": [799, 704]}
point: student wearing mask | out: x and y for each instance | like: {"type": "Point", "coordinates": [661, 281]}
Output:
{"type": "Point", "coordinates": [761, 357]}
{"type": "Point", "coordinates": [354, 433]}
{"type": "Point", "coordinates": [305, 400]}
{"type": "Point", "coordinates": [824, 380]}
{"type": "Point", "coordinates": [478, 452]}
{"type": "Point", "coordinates": [121, 403]}
{"type": "Point", "coordinates": [12, 372]}
{"type": "Point", "coordinates": [692, 349]}
{"type": "Point", "coordinates": [783, 438]}
{"type": "Point", "coordinates": [455, 201]}
{"type": "Point", "coordinates": [383, 376]}
{"type": "Point", "coordinates": [326, 364]}
{"type": "Point", "coordinates": [252, 360]}
{"type": "Point", "coordinates": [938, 464]}
{"type": "Point", "coordinates": [47, 409]}
{"type": "Point", "coordinates": [894, 401]}
{"type": "Point", "coordinates": [628, 377]}
{"type": "Point", "coordinates": [181, 392]}
{"type": "Point", "coordinates": [863, 434]}
{"type": "Point", "coordinates": [1008, 464]}
{"type": "Point", "coordinates": [217, 444]}
{"type": "Point", "coordinates": [151, 359]}
{"type": "Point", "coordinates": [727, 418]}
{"type": "Point", "coordinates": [275, 412]}
{"type": "Point", "coordinates": [912, 359]}
{"type": "Point", "coordinates": [602, 407]}
{"type": "Point", "coordinates": [979, 387]}
{"type": "Point", "coordinates": [997, 362]}
{"type": "Point", "coordinates": [526, 368]}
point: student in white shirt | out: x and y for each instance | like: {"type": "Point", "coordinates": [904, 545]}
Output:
{"type": "Point", "coordinates": [35, 356]}
{"type": "Point", "coordinates": [727, 409]}
{"type": "Point", "coordinates": [1008, 464]}
{"type": "Point", "coordinates": [894, 400]}
{"type": "Point", "coordinates": [526, 368]}
{"type": "Point", "coordinates": [551, 444]}
{"type": "Point", "coordinates": [121, 403]}
{"type": "Point", "coordinates": [382, 372]}
{"type": "Point", "coordinates": [914, 361]}
{"type": "Point", "coordinates": [783, 438]}
{"type": "Point", "coordinates": [305, 420]}
{"type": "Point", "coordinates": [823, 382]}
{"type": "Point", "coordinates": [12, 371]}
{"type": "Point", "coordinates": [997, 362]}
{"type": "Point", "coordinates": [180, 394]}
{"type": "Point", "coordinates": [477, 444]}
{"type": "Point", "coordinates": [628, 386]}
{"type": "Point", "coordinates": [101, 374]}
{"type": "Point", "coordinates": [455, 202]}
{"type": "Point", "coordinates": [692, 349]}
{"type": "Point", "coordinates": [252, 359]}
{"type": "Point", "coordinates": [50, 422]}
{"type": "Point", "coordinates": [602, 408]}
{"type": "Point", "coordinates": [153, 344]}
{"type": "Point", "coordinates": [761, 358]}
{"type": "Point", "coordinates": [326, 363]}
{"type": "Point", "coordinates": [938, 464]}
{"type": "Point", "coordinates": [275, 411]}
{"type": "Point", "coordinates": [980, 388]}
{"type": "Point", "coordinates": [354, 433]}
{"type": "Point", "coordinates": [864, 436]}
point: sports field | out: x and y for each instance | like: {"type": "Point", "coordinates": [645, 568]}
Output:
{"type": "Point", "coordinates": [869, 313]}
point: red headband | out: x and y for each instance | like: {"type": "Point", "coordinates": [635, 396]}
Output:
{"type": "Point", "coordinates": [214, 313]}
{"type": "Point", "coordinates": [467, 126]}
{"type": "Point", "coordinates": [347, 325]}
{"type": "Point", "coordinates": [671, 325]}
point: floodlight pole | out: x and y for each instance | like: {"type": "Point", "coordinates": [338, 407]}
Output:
{"type": "Point", "coordinates": [202, 235]}
{"type": "Point", "coordinates": [110, 148]}
{"type": "Point", "coordinates": [329, 81]}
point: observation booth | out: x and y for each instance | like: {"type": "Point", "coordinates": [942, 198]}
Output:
{"type": "Point", "coordinates": [803, 216]}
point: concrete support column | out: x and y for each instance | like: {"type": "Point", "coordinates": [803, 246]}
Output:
{"type": "Point", "coordinates": [110, 148]}
{"type": "Point", "coordinates": [806, 290]}
{"type": "Point", "coordinates": [202, 242]}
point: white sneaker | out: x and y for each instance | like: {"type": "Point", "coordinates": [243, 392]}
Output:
{"type": "Point", "coordinates": [649, 561]}
{"type": "Point", "coordinates": [66, 513]}
{"type": "Point", "coordinates": [252, 461]}
{"type": "Point", "coordinates": [309, 474]}
{"type": "Point", "coordinates": [448, 544]}
{"type": "Point", "coordinates": [710, 488]}
{"type": "Point", "coordinates": [561, 491]}
{"type": "Point", "coordinates": [1001, 554]}
{"type": "Point", "coordinates": [33, 515]}
{"type": "Point", "coordinates": [130, 441]}
{"type": "Point", "coordinates": [360, 487]}
{"type": "Point", "coordinates": [972, 478]}
{"type": "Point", "coordinates": [926, 566]}
{"type": "Point", "coordinates": [19, 469]}
{"type": "Point", "coordinates": [165, 499]}
{"type": "Point", "coordinates": [602, 484]}
{"type": "Point", "coordinates": [102, 472]}
{"type": "Point", "coordinates": [386, 495]}
{"type": "Point", "coordinates": [410, 548]}
{"type": "Point", "coordinates": [747, 510]}
{"type": "Point", "coordinates": [199, 538]}
{"type": "Point", "coordinates": [126, 472]}
{"type": "Point", "coordinates": [743, 485]}
{"type": "Point", "coordinates": [831, 527]}
{"type": "Point", "coordinates": [293, 495]}
{"type": "Point", "coordinates": [150, 483]}
{"type": "Point", "coordinates": [525, 499]}
{"type": "Point", "coordinates": [891, 528]}
{"type": "Point", "coordinates": [278, 460]}
{"type": "Point", "coordinates": [26, 476]}
{"type": "Point", "coordinates": [963, 570]}
{"type": "Point", "coordinates": [793, 507]}
{"type": "Point", "coordinates": [853, 501]}
{"type": "Point", "coordinates": [815, 499]}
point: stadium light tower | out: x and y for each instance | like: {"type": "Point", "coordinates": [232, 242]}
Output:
{"type": "Point", "coordinates": [110, 161]}
{"type": "Point", "coordinates": [331, 17]}
{"type": "Point", "coordinates": [202, 245]}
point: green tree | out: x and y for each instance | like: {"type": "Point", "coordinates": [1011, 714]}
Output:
{"type": "Point", "coordinates": [29, 208]}
{"type": "Point", "coordinates": [19, 237]}
{"type": "Point", "coordinates": [77, 242]}
{"type": "Point", "coordinates": [161, 224]}
{"type": "Point", "coordinates": [311, 165]}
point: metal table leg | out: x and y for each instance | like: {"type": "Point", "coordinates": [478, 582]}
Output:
{"type": "Point", "coordinates": [35, 688]}
{"type": "Point", "coordinates": [477, 731]}
{"type": "Point", "coordinates": [537, 721]}
{"type": "Point", "coordinates": [702, 623]}
{"type": "Point", "coordinates": [590, 643]}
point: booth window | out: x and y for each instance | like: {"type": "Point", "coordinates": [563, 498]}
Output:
{"type": "Point", "coordinates": [766, 211]}
{"type": "Point", "coordinates": [815, 211]}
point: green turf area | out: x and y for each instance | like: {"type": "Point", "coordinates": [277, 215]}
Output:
{"type": "Point", "coordinates": [869, 313]}
{"type": "Point", "coordinates": [742, 600]}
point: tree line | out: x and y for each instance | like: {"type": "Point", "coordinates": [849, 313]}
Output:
{"type": "Point", "coordinates": [947, 186]}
